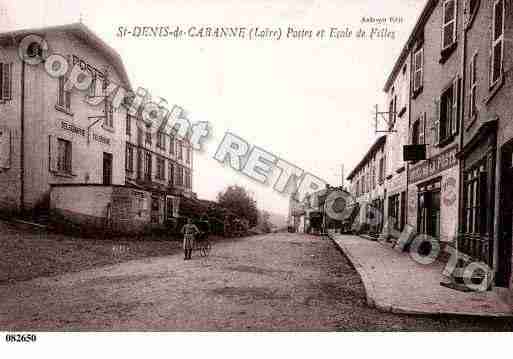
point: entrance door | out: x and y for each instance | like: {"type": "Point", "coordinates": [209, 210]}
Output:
{"type": "Point", "coordinates": [429, 213]}
{"type": "Point", "coordinates": [506, 217]}
{"type": "Point", "coordinates": [107, 168]}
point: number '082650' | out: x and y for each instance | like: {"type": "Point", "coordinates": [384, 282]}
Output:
{"type": "Point", "coordinates": [20, 338]}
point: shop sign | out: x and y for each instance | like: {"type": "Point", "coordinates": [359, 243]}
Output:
{"type": "Point", "coordinates": [434, 165]}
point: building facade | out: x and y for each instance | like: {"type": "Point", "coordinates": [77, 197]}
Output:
{"type": "Point", "coordinates": [48, 136]}
{"type": "Point", "coordinates": [63, 157]}
{"type": "Point", "coordinates": [368, 187]}
{"type": "Point", "coordinates": [159, 163]}
{"type": "Point", "coordinates": [397, 89]}
{"type": "Point", "coordinates": [486, 209]}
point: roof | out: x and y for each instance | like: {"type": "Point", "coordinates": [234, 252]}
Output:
{"type": "Point", "coordinates": [82, 32]}
{"type": "Point", "coordinates": [421, 21]}
{"type": "Point", "coordinates": [379, 143]}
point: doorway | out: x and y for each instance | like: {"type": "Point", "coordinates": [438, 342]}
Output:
{"type": "Point", "coordinates": [107, 169]}
{"type": "Point", "coordinates": [505, 217]}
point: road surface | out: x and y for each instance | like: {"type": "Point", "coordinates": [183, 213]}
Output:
{"type": "Point", "coordinates": [276, 282]}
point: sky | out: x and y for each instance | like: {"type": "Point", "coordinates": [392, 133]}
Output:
{"type": "Point", "coordinates": [307, 101]}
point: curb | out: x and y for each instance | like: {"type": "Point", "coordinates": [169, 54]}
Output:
{"type": "Point", "coordinates": [367, 283]}
{"type": "Point", "coordinates": [390, 308]}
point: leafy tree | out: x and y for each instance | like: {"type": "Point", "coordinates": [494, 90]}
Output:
{"type": "Point", "coordinates": [237, 200]}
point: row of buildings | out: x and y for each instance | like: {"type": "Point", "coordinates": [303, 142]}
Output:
{"type": "Point", "coordinates": [451, 89]}
{"type": "Point", "coordinates": [60, 155]}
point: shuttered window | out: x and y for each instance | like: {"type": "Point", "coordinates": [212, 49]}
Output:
{"type": "Point", "coordinates": [449, 23]}
{"type": "Point", "coordinates": [497, 42]}
{"type": "Point", "coordinates": [473, 87]}
{"type": "Point", "coordinates": [5, 81]}
{"type": "Point", "coordinates": [64, 97]}
{"type": "Point", "coordinates": [418, 69]}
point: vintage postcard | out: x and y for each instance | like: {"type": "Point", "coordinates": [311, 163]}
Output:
{"type": "Point", "coordinates": [255, 166]}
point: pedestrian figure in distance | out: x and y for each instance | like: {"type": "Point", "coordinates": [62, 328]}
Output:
{"type": "Point", "coordinates": [189, 232]}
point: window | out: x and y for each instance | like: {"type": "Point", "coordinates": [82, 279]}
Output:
{"type": "Point", "coordinates": [473, 87]}
{"type": "Point", "coordinates": [447, 123]}
{"type": "Point", "coordinates": [129, 158]}
{"type": "Point", "coordinates": [179, 176]}
{"type": "Point", "coordinates": [161, 163]}
{"type": "Point", "coordinates": [171, 174]}
{"type": "Point", "coordinates": [148, 137]}
{"type": "Point", "coordinates": [64, 98]}
{"type": "Point", "coordinates": [172, 145]}
{"type": "Point", "coordinates": [394, 211]}
{"type": "Point", "coordinates": [109, 114]}
{"type": "Point", "coordinates": [449, 24]}
{"type": "Point", "coordinates": [128, 124]}
{"type": "Point", "coordinates": [139, 164]}
{"type": "Point", "coordinates": [418, 59]}
{"type": "Point", "coordinates": [147, 166]}
{"type": "Point", "coordinates": [497, 42]}
{"type": "Point", "coordinates": [419, 131]}
{"type": "Point", "coordinates": [392, 112]}
{"type": "Point", "coordinates": [180, 151]}
{"type": "Point", "coordinates": [188, 154]}
{"type": "Point", "coordinates": [474, 192]}
{"type": "Point", "coordinates": [161, 140]}
{"type": "Point", "coordinates": [188, 181]}
{"type": "Point", "coordinates": [381, 170]}
{"type": "Point", "coordinates": [64, 156]}
{"type": "Point", "coordinates": [5, 82]}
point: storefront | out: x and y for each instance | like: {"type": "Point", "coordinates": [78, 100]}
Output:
{"type": "Point", "coordinates": [433, 195]}
{"type": "Point", "coordinates": [477, 206]}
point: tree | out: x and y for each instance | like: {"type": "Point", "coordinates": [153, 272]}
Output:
{"type": "Point", "coordinates": [237, 200]}
{"type": "Point", "coordinates": [265, 222]}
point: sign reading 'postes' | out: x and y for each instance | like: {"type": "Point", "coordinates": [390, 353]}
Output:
{"type": "Point", "coordinates": [434, 165]}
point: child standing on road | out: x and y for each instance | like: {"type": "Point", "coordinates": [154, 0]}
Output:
{"type": "Point", "coordinates": [189, 231]}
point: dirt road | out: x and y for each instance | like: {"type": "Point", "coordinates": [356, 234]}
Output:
{"type": "Point", "coordinates": [274, 282]}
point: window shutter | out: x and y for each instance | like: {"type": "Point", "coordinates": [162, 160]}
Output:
{"type": "Point", "coordinates": [455, 106]}
{"type": "Point", "coordinates": [436, 126]}
{"type": "Point", "coordinates": [5, 148]}
{"type": "Point", "coordinates": [7, 82]}
{"type": "Point", "coordinates": [1, 81]}
{"type": "Point", "coordinates": [53, 153]}
{"type": "Point", "coordinates": [422, 130]}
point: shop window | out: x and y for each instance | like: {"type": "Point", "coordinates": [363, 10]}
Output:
{"type": "Point", "coordinates": [497, 42]}
{"type": "Point", "coordinates": [64, 156]}
{"type": "Point", "coordinates": [449, 24]}
{"type": "Point", "coordinates": [5, 82]}
{"type": "Point", "coordinates": [474, 197]}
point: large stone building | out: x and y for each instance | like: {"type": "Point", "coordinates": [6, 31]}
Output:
{"type": "Point", "coordinates": [82, 162]}
{"type": "Point", "coordinates": [486, 206]}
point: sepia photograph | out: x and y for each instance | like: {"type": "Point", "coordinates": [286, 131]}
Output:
{"type": "Point", "coordinates": [262, 166]}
